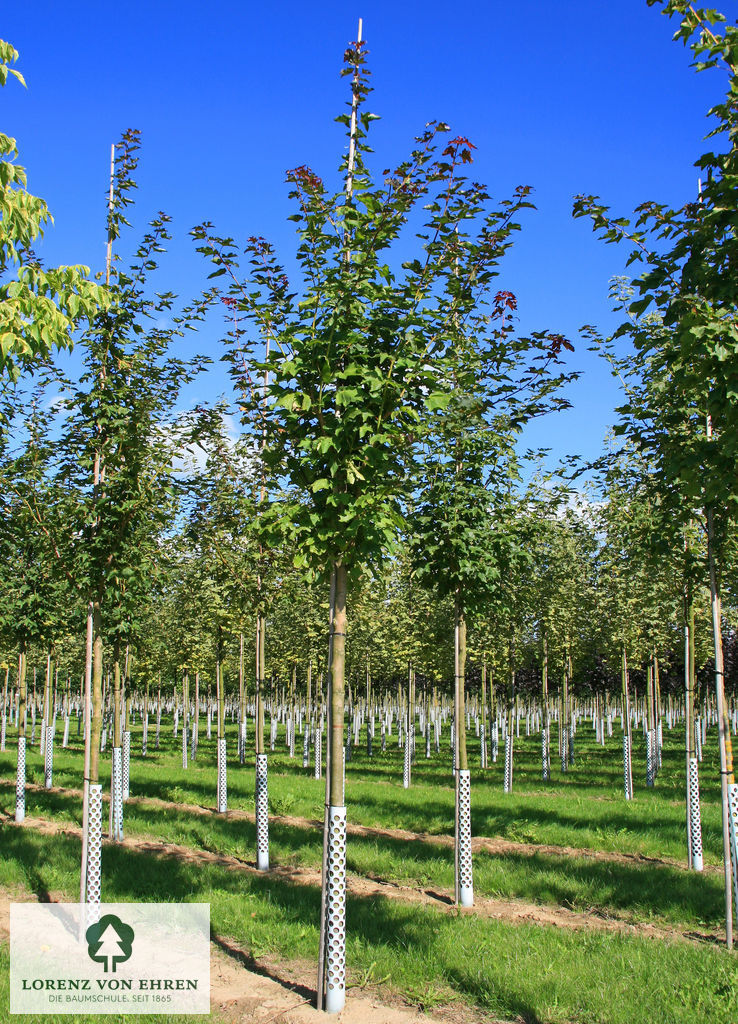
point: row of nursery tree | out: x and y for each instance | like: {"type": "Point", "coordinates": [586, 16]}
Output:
{"type": "Point", "coordinates": [375, 505]}
{"type": "Point", "coordinates": [574, 580]}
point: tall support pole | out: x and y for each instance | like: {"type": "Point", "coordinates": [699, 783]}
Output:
{"type": "Point", "coordinates": [98, 474]}
{"type": "Point", "coordinates": [333, 922]}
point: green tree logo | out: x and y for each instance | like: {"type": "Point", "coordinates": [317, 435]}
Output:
{"type": "Point", "coordinates": [109, 942]}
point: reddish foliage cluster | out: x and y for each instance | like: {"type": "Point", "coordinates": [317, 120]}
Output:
{"type": "Point", "coordinates": [460, 149]}
{"type": "Point", "coordinates": [229, 301]}
{"type": "Point", "coordinates": [557, 342]}
{"type": "Point", "coordinates": [304, 176]}
{"type": "Point", "coordinates": [504, 302]}
{"type": "Point", "coordinates": [258, 245]}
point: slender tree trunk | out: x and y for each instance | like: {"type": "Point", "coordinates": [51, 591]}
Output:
{"type": "Point", "coordinates": [627, 736]}
{"type": "Point", "coordinates": [97, 683]}
{"type": "Point", "coordinates": [484, 712]}
{"type": "Point", "coordinates": [49, 719]}
{"type": "Point", "coordinates": [546, 730]}
{"type": "Point", "coordinates": [5, 707]}
{"type": "Point", "coordinates": [464, 884]}
{"type": "Point", "coordinates": [334, 921]}
{"type": "Point", "coordinates": [693, 816]}
{"type": "Point", "coordinates": [20, 782]}
{"type": "Point", "coordinates": [115, 825]}
{"type": "Point", "coordinates": [727, 778]}
{"type": "Point", "coordinates": [338, 687]}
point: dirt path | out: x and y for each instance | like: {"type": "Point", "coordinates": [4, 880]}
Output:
{"type": "Point", "coordinates": [489, 844]}
{"type": "Point", "coordinates": [514, 911]}
{"type": "Point", "coordinates": [264, 991]}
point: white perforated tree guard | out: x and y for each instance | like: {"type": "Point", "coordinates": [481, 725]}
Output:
{"type": "Point", "coordinates": [185, 744]}
{"type": "Point", "coordinates": [733, 828]}
{"type": "Point", "coordinates": [650, 758]}
{"type": "Point", "coordinates": [94, 854]}
{"type": "Point", "coordinates": [544, 756]}
{"type": "Point", "coordinates": [659, 744]}
{"type": "Point", "coordinates": [116, 795]}
{"type": "Point", "coordinates": [406, 767]}
{"type": "Point", "coordinates": [464, 853]}
{"type": "Point", "coordinates": [2, 731]}
{"type": "Point", "coordinates": [508, 763]}
{"type": "Point", "coordinates": [335, 953]}
{"type": "Point", "coordinates": [222, 777]}
{"type": "Point", "coordinates": [49, 759]}
{"type": "Point", "coordinates": [126, 764]}
{"type": "Point", "coordinates": [20, 781]}
{"type": "Point", "coordinates": [65, 738]}
{"type": "Point", "coordinates": [262, 813]}
{"type": "Point", "coordinates": [145, 738]}
{"type": "Point", "coordinates": [695, 818]}
{"type": "Point", "coordinates": [318, 752]}
{"type": "Point", "coordinates": [626, 768]}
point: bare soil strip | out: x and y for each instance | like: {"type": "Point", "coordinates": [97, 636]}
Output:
{"type": "Point", "coordinates": [513, 911]}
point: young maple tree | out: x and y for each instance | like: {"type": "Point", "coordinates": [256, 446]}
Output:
{"type": "Point", "coordinates": [352, 361]}
{"type": "Point", "coordinates": [683, 326]}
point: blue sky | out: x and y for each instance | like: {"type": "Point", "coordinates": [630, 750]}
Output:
{"type": "Point", "coordinates": [569, 97]}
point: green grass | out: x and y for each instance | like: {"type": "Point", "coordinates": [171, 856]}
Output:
{"type": "Point", "coordinates": [584, 808]}
{"type": "Point", "coordinates": [633, 890]}
{"type": "Point", "coordinates": [536, 973]}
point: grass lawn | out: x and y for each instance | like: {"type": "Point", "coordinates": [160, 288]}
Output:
{"type": "Point", "coordinates": [431, 957]}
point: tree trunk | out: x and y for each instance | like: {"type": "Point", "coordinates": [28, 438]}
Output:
{"type": "Point", "coordinates": [545, 731]}
{"type": "Point", "coordinates": [115, 825]}
{"type": "Point", "coordinates": [464, 885]}
{"type": "Point", "coordinates": [727, 779]}
{"type": "Point", "coordinates": [334, 921]}
{"type": "Point", "coordinates": [20, 781]}
{"type": "Point", "coordinates": [627, 737]}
